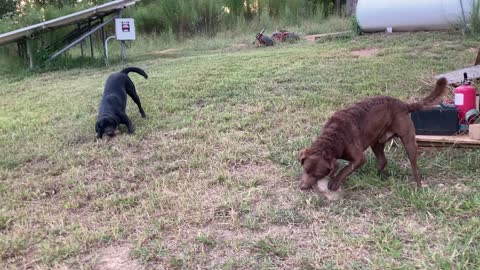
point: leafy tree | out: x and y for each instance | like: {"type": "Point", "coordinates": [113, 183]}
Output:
{"type": "Point", "coordinates": [7, 6]}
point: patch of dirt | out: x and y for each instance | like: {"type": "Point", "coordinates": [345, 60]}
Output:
{"type": "Point", "coordinates": [166, 51]}
{"type": "Point", "coordinates": [460, 187]}
{"type": "Point", "coordinates": [312, 38]}
{"type": "Point", "coordinates": [239, 46]}
{"type": "Point", "coordinates": [116, 258]}
{"type": "Point", "coordinates": [39, 166]}
{"type": "Point", "coordinates": [80, 140]}
{"type": "Point", "coordinates": [368, 52]}
{"type": "Point", "coordinates": [37, 162]}
{"type": "Point", "coordinates": [251, 169]}
{"type": "Point", "coordinates": [266, 174]}
{"type": "Point", "coordinates": [315, 37]}
{"type": "Point", "coordinates": [412, 225]}
{"type": "Point", "coordinates": [309, 38]}
{"type": "Point", "coordinates": [252, 109]}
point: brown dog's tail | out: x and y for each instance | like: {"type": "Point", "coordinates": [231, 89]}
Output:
{"type": "Point", "coordinates": [433, 99]}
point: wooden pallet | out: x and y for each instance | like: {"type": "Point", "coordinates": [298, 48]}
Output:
{"type": "Point", "coordinates": [456, 76]}
{"type": "Point", "coordinates": [447, 141]}
{"type": "Point", "coordinates": [313, 38]}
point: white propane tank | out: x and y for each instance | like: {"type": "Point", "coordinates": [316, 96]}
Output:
{"type": "Point", "coordinates": [409, 15]}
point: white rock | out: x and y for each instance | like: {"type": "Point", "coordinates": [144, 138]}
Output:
{"type": "Point", "coordinates": [321, 188]}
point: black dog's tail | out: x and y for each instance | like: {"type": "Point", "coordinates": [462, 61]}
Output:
{"type": "Point", "coordinates": [136, 70]}
{"type": "Point", "coordinates": [433, 99]}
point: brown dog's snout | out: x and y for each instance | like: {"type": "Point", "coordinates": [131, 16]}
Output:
{"type": "Point", "coordinates": [307, 181]}
{"type": "Point", "coordinates": [304, 187]}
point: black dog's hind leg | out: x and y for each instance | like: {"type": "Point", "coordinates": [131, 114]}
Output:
{"type": "Point", "coordinates": [125, 120]}
{"type": "Point", "coordinates": [133, 94]}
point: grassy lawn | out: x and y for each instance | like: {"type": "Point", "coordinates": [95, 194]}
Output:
{"type": "Point", "coordinates": [210, 178]}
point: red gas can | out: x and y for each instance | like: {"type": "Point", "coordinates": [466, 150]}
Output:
{"type": "Point", "coordinates": [465, 98]}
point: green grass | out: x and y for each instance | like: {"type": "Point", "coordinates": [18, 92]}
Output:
{"type": "Point", "coordinates": [210, 178]}
{"type": "Point", "coordinates": [164, 45]}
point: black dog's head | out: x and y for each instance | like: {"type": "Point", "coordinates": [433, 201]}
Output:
{"type": "Point", "coordinates": [106, 126]}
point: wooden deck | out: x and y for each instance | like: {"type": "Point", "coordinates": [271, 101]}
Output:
{"type": "Point", "coordinates": [313, 38]}
{"type": "Point", "coordinates": [447, 141]}
{"type": "Point", "coordinates": [456, 76]}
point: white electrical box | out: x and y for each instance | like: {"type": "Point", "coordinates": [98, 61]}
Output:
{"type": "Point", "coordinates": [125, 29]}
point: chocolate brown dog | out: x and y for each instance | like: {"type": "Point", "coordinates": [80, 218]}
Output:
{"type": "Point", "coordinates": [368, 123]}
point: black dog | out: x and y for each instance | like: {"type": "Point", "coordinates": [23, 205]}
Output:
{"type": "Point", "coordinates": [114, 102]}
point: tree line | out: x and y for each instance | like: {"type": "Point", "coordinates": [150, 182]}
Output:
{"type": "Point", "coordinates": [179, 16]}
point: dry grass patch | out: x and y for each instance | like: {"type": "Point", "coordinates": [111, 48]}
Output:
{"type": "Point", "coordinates": [210, 178]}
{"type": "Point", "coordinates": [116, 258]}
{"type": "Point", "coordinates": [369, 52]}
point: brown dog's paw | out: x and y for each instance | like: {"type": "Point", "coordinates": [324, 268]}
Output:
{"type": "Point", "coordinates": [422, 184]}
{"type": "Point", "coordinates": [333, 185]}
{"type": "Point", "coordinates": [304, 186]}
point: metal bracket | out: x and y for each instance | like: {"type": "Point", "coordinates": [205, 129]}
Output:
{"type": "Point", "coordinates": [78, 40]}
{"type": "Point", "coordinates": [122, 44]}
{"type": "Point", "coordinates": [106, 48]}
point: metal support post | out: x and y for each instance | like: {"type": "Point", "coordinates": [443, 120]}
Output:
{"type": "Point", "coordinates": [124, 50]}
{"type": "Point", "coordinates": [103, 40]}
{"type": "Point", "coordinates": [82, 44]}
{"type": "Point", "coordinates": [90, 38]}
{"type": "Point", "coordinates": [106, 49]}
{"type": "Point", "coordinates": [29, 53]}
{"type": "Point", "coordinates": [75, 42]}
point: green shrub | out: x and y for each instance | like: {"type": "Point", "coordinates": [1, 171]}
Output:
{"type": "Point", "coordinates": [475, 18]}
{"type": "Point", "coordinates": [355, 26]}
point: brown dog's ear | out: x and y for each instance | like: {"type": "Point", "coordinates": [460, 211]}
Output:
{"type": "Point", "coordinates": [302, 155]}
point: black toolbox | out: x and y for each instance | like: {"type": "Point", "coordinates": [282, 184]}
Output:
{"type": "Point", "coordinates": [440, 120]}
